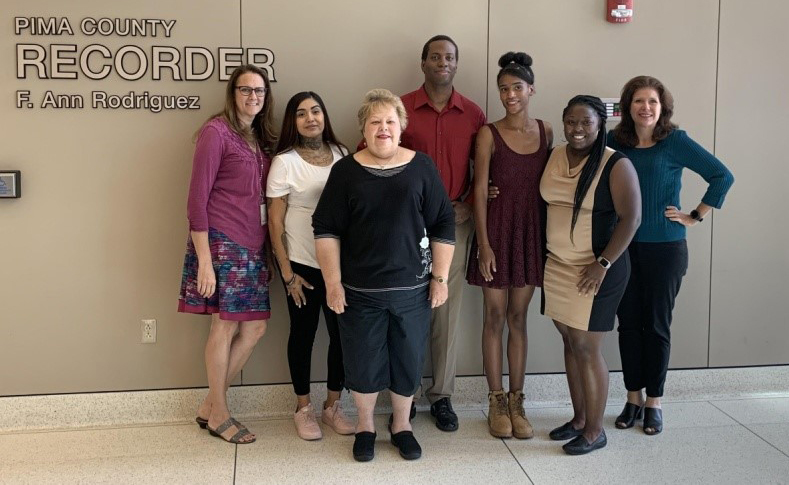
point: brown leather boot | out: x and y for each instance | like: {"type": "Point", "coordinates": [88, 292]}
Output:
{"type": "Point", "coordinates": [521, 427]}
{"type": "Point", "coordinates": [498, 416]}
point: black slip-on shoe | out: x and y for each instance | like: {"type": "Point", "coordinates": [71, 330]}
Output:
{"type": "Point", "coordinates": [565, 432]}
{"type": "Point", "coordinates": [579, 446]}
{"type": "Point", "coordinates": [364, 446]}
{"type": "Point", "coordinates": [407, 445]}
{"type": "Point", "coordinates": [446, 419]}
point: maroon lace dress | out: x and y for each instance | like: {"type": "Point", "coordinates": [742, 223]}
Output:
{"type": "Point", "coordinates": [516, 218]}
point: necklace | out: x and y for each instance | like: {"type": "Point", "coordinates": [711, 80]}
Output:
{"type": "Point", "coordinates": [380, 165]}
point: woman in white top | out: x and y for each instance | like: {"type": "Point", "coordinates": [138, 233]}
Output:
{"type": "Point", "coordinates": [306, 152]}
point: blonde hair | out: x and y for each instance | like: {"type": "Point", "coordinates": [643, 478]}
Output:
{"type": "Point", "coordinates": [377, 98]}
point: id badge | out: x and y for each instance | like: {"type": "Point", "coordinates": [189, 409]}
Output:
{"type": "Point", "coordinates": [263, 214]}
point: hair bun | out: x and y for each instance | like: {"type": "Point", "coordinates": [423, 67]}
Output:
{"type": "Point", "coordinates": [520, 58]}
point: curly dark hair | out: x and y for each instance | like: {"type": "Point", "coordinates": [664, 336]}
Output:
{"type": "Point", "coordinates": [516, 64]}
{"type": "Point", "coordinates": [625, 131]}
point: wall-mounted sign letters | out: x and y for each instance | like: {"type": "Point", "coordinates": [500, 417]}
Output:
{"type": "Point", "coordinates": [95, 62]}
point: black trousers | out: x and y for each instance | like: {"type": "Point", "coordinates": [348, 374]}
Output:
{"type": "Point", "coordinates": [304, 325]}
{"type": "Point", "coordinates": [645, 313]}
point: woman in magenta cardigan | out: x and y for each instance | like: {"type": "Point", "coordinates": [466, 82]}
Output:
{"type": "Point", "coordinates": [225, 271]}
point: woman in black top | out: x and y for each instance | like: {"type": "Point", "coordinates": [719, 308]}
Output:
{"type": "Point", "coordinates": [384, 234]}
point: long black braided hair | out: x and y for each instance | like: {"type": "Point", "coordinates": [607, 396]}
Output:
{"type": "Point", "coordinates": [595, 156]}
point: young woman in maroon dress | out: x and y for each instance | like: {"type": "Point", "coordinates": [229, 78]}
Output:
{"type": "Point", "coordinates": [506, 257]}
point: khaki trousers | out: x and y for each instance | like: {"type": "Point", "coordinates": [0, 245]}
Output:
{"type": "Point", "coordinates": [445, 319]}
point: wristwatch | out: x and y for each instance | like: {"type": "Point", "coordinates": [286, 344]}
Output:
{"type": "Point", "coordinates": [439, 279]}
{"type": "Point", "coordinates": [604, 262]}
{"type": "Point", "coordinates": [694, 214]}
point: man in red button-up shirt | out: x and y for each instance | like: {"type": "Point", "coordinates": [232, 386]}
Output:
{"type": "Point", "coordinates": [443, 124]}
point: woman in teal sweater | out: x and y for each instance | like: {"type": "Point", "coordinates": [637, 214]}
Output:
{"type": "Point", "coordinates": [658, 253]}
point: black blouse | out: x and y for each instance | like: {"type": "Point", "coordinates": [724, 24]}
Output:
{"type": "Point", "coordinates": [385, 220]}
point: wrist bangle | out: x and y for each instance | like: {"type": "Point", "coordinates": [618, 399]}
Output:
{"type": "Point", "coordinates": [292, 280]}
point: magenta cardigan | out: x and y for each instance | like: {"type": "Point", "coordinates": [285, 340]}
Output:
{"type": "Point", "coordinates": [227, 186]}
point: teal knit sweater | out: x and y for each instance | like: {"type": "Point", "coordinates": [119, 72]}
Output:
{"type": "Point", "coordinates": [659, 169]}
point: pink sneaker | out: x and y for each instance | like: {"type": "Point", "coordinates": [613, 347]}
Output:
{"type": "Point", "coordinates": [336, 419]}
{"type": "Point", "coordinates": [306, 425]}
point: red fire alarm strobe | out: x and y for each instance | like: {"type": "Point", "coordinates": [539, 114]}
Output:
{"type": "Point", "coordinates": [619, 11]}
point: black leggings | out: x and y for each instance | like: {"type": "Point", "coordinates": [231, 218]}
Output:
{"type": "Point", "coordinates": [303, 325]}
{"type": "Point", "coordinates": [645, 313]}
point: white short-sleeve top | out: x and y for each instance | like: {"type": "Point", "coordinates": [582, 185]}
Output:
{"type": "Point", "coordinates": [303, 183]}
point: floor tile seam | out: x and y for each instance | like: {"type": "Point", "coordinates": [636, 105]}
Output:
{"type": "Point", "coordinates": [235, 463]}
{"type": "Point", "coordinates": [482, 412]}
{"type": "Point", "coordinates": [752, 431]}
{"type": "Point", "coordinates": [520, 465]}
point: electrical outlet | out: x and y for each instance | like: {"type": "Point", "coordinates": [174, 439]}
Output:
{"type": "Point", "coordinates": [148, 328]}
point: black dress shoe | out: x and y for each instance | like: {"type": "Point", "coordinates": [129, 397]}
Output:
{"type": "Point", "coordinates": [364, 446]}
{"type": "Point", "coordinates": [446, 419]}
{"type": "Point", "coordinates": [653, 418]}
{"type": "Point", "coordinates": [565, 432]}
{"type": "Point", "coordinates": [579, 446]}
{"type": "Point", "coordinates": [407, 445]}
{"type": "Point", "coordinates": [411, 416]}
{"type": "Point", "coordinates": [629, 415]}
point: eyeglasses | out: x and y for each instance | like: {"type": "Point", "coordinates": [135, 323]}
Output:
{"type": "Point", "coordinates": [247, 91]}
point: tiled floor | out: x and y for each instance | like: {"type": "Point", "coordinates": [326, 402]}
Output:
{"type": "Point", "coordinates": [731, 441]}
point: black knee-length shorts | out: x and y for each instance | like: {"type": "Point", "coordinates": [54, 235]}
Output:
{"type": "Point", "coordinates": [384, 339]}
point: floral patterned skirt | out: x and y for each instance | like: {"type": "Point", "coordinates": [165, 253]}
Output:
{"type": "Point", "coordinates": [241, 281]}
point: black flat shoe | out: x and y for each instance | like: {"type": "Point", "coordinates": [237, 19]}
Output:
{"type": "Point", "coordinates": [446, 419]}
{"type": "Point", "coordinates": [629, 416]}
{"type": "Point", "coordinates": [411, 416]}
{"type": "Point", "coordinates": [407, 445]}
{"type": "Point", "coordinates": [653, 419]}
{"type": "Point", "coordinates": [565, 432]}
{"type": "Point", "coordinates": [579, 446]}
{"type": "Point", "coordinates": [364, 446]}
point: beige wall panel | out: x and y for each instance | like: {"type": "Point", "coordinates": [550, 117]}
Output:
{"type": "Point", "coordinates": [97, 241]}
{"type": "Point", "coordinates": [340, 50]}
{"type": "Point", "coordinates": [576, 51]}
{"type": "Point", "coordinates": [750, 299]}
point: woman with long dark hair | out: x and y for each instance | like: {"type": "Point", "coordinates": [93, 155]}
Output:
{"type": "Point", "coordinates": [225, 271]}
{"type": "Point", "coordinates": [306, 152]}
{"type": "Point", "coordinates": [506, 257]}
{"type": "Point", "coordinates": [659, 251]}
{"type": "Point", "coordinates": [594, 208]}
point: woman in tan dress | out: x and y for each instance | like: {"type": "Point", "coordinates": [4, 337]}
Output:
{"type": "Point", "coordinates": [594, 209]}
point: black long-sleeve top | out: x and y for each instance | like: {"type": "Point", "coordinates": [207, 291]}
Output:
{"type": "Point", "coordinates": [385, 220]}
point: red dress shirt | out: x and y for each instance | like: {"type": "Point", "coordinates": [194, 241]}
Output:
{"type": "Point", "coordinates": [447, 137]}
